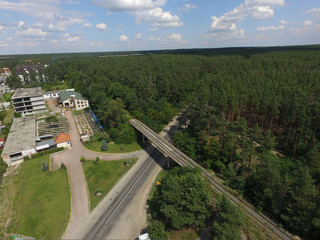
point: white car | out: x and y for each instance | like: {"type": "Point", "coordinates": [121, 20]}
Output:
{"type": "Point", "coordinates": [144, 236]}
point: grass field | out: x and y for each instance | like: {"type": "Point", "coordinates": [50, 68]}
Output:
{"type": "Point", "coordinates": [45, 201]}
{"type": "Point", "coordinates": [103, 177]}
{"type": "Point", "coordinates": [113, 148]}
{"type": "Point", "coordinates": [9, 202]}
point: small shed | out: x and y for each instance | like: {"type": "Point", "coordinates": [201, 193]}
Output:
{"type": "Point", "coordinates": [46, 144]}
{"type": "Point", "coordinates": [63, 140]}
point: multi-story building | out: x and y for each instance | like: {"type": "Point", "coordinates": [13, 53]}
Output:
{"type": "Point", "coordinates": [28, 100]}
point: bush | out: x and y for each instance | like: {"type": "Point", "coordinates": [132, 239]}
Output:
{"type": "Point", "coordinates": [62, 166]}
{"type": "Point", "coordinates": [82, 159]}
{"type": "Point", "coordinates": [97, 161]}
{"type": "Point", "coordinates": [46, 152]}
{"type": "Point", "coordinates": [156, 230]}
{"type": "Point", "coordinates": [51, 119]}
{"type": "Point", "coordinates": [44, 166]}
{"type": "Point", "coordinates": [104, 146]}
{"type": "Point", "coordinates": [17, 115]}
{"type": "Point", "coordinates": [114, 133]}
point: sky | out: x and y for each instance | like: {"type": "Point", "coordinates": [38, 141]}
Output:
{"type": "Point", "coordinates": [56, 26]}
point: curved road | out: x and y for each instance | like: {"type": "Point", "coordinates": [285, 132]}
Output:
{"type": "Point", "coordinates": [78, 185]}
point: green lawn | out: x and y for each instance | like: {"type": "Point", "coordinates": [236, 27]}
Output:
{"type": "Point", "coordinates": [103, 177]}
{"type": "Point", "coordinates": [45, 201]}
{"type": "Point", "coordinates": [113, 148]}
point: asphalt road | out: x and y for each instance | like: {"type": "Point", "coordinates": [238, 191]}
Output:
{"type": "Point", "coordinates": [106, 222]}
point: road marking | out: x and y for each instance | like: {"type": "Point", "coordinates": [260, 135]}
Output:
{"type": "Point", "coordinates": [114, 211]}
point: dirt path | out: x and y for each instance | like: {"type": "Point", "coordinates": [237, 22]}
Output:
{"type": "Point", "coordinates": [78, 185]}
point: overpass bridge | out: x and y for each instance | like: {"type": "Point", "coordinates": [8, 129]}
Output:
{"type": "Point", "coordinates": [183, 160]}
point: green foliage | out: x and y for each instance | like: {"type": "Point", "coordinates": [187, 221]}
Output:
{"type": "Point", "coordinates": [62, 166]}
{"type": "Point", "coordinates": [46, 152]}
{"type": "Point", "coordinates": [104, 146]}
{"type": "Point", "coordinates": [44, 166]}
{"type": "Point", "coordinates": [185, 143]}
{"type": "Point", "coordinates": [156, 230]}
{"type": "Point", "coordinates": [227, 220]}
{"type": "Point", "coordinates": [3, 168]}
{"type": "Point", "coordinates": [6, 97]}
{"type": "Point", "coordinates": [17, 115]}
{"type": "Point", "coordinates": [82, 159]}
{"type": "Point", "coordinates": [183, 199]}
{"type": "Point", "coordinates": [51, 119]}
{"type": "Point", "coordinates": [97, 161]}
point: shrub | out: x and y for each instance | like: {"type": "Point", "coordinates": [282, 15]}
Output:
{"type": "Point", "coordinates": [104, 146]}
{"type": "Point", "coordinates": [44, 166]}
{"type": "Point", "coordinates": [97, 161]}
{"type": "Point", "coordinates": [156, 230]}
{"type": "Point", "coordinates": [62, 166]}
{"type": "Point", "coordinates": [82, 159]}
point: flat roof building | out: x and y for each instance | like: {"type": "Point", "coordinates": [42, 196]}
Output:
{"type": "Point", "coordinates": [28, 100]}
{"type": "Point", "coordinates": [21, 140]}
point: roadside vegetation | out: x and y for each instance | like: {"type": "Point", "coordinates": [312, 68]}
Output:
{"type": "Point", "coordinates": [112, 147]}
{"type": "Point", "coordinates": [186, 203]}
{"type": "Point", "coordinates": [101, 176]}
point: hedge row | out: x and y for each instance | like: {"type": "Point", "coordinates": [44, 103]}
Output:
{"type": "Point", "coordinates": [45, 152]}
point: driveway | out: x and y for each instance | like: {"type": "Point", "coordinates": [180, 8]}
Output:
{"type": "Point", "coordinates": [78, 185]}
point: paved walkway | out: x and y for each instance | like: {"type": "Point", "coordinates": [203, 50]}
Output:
{"type": "Point", "coordinates": [78, 185]}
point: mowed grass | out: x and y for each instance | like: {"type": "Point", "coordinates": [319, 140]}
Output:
{"type": "Point", "coordinates": [103, 177]}
{"type": "Point", "coordinates": [113, 148]}
{"type": "Point", "coordinates": [45, 201]}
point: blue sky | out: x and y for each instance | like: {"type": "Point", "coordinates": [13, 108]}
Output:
{"type": "Point", "coordinates": [49, 26]}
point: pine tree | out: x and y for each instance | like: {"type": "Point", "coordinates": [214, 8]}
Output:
{"type": "Point", "coordinates": [104, 146]}
{"type": "Point", "coordinates": [44, 166]}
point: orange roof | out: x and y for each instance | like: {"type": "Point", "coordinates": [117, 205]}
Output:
{"type": "Point", "coordinates": [62, 137]}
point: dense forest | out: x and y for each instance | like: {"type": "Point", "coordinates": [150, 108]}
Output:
{"type": "Point", "coordinates": [254, 116]}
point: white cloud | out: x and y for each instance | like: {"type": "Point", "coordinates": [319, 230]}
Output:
{"type": "Point", "coordinates": [87, 25]}
{"type": "Point", "coordinates": [283, 22]}
{"type": "Point", "coordinates": [270, 28]}
{"type": "Point", "coordinates": [158, 18]}
{"type": "Point", "coordinates": [123, 38]}
{"type": "Point", "coordinates": [129, 5]}
{"type": "Point", "coordinates": [187, 7]}
{"type": "Point", "coordinates": [32, 32]}
{"type": "Point", "coordinates": [3, 29]}
{"type": "Point", "coordinates": [173, 38]}
{"type": "Point", "coordinates": [149, 11]}
{"type": "Point", "coordinates": [312, 11]}
{"type": "Point", "coordinates": [226, 25]}
{"type": "Point", "coordinates": [101, 26]}
{"type": "Point", "coordinates": [70, 38]}
{"type": "Point", "coordinates": [20, 24]}
{"type": "Point", "coordinates": [138, 36]}
{"type": "Point", "coordinates": [307, 23]}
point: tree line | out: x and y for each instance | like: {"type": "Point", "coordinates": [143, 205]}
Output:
{"type": "Point", "coordinates": [254, 117]}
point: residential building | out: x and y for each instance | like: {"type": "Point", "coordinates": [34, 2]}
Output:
{"type": "Point", "coordinates": [21, 140]}
{"type": "Point", "coordinates": [63, 140]}
{"type": "Point", "coordinates": [28, 100]}
{"type": "Point", "coordinates": [73, 99]}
